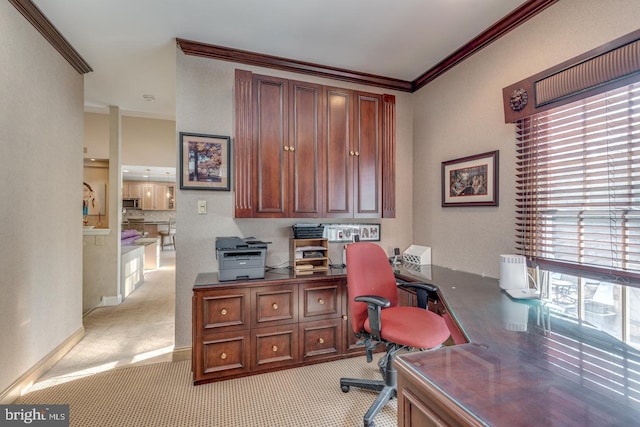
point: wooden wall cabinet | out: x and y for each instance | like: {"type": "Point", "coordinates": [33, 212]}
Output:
{"type": "Point", "coordinates": [287, 133]}
{"type": "Point", "coordinates": [158, 197]}
{"type": "Point", "coordinates": [131, 190]}
{"type": "Point", "coordinates": [307, 150]}
{"type": "Point", "coordinates": [247, 328]}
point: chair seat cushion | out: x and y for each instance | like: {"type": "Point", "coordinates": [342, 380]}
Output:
{"type": "Point", "coordinates": [412, 326]}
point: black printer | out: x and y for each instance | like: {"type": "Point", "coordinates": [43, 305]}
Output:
{"type": "Point", "coordinates": [240, 258]}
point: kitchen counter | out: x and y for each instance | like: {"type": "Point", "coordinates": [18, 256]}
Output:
{"type": "Point", "coordinates": [524, 364]}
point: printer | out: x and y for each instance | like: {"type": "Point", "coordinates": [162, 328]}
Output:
{"type": "Point", "coordinates": [240, 258]}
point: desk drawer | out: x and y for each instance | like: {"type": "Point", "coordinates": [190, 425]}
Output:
{"type": "Point", "coordinates": [274, 347]}
{"type": "Point", "coordinates": [222, 354]}
{"type": "Point", "coordinates": [320, 339]}
{"type": "Point", "coordinates": [223, 309]}
{"type": "Point", "coordinates": [320, 300]}
{"type": "Point", "coordinates": [274, 305]}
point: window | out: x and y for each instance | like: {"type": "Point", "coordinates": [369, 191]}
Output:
{"type": "Point", "coordinates": [578, 187]}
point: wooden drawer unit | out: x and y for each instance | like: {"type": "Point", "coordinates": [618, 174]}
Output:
{"type": "Point", "coordinates": [320, 339]}
{"type": "Point", "coordinates": [246, 327]}
{"type": "Point", "coordinates": [274, 305]}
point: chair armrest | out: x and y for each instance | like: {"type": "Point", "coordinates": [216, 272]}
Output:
{"type": "Point", "coordinates": [373, 299]}
{"type": "Point", "coordinates": [424, 291]}
{"type": "Point", "coordinates": [375, 305]}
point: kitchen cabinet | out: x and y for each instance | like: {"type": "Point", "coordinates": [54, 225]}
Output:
{"type": "Point", "coordinates": [308, 150]}
{"type": "Point", "coordinates": [158, 196]}
{"type": "Point", "coordinates": [131, 190]}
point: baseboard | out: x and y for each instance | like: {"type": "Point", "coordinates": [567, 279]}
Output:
{"type": "Point", "coordinates": [180, 354]}
{"type": "Point", "coordinates": [27, 379]}
{"type": "Point", "coordinates": [112, 300]}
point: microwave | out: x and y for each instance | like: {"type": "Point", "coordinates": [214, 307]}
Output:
{"type": "Point", "coordinates": [131, 203]}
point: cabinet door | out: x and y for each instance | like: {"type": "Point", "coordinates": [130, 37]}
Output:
{"type": "Point", "coordinates": [270, 145]}
{"type": "Point", "coordinates": [367, 165]}
{"type": "Point", "coordinates": [131, 190]}
{"type": "Point", "coordinates": [148, 197]}
{"type": "Point", "coordinates": [305, 178]}
{"type": "Point", "coordinates": [338, 118]}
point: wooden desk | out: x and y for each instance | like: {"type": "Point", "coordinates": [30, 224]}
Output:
{"type": "Point", "coordinates": [524, 365]}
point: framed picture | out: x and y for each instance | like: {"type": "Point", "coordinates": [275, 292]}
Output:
{"type": "Point", "coordinates": [346, 232]}
{"type": "Point", "coordinates": [204, 162]}
{"type": "Point", "coordinates": [471, 181]}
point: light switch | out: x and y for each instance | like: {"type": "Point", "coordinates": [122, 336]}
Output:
{"type": "Point", "coordinates": [202, 207]}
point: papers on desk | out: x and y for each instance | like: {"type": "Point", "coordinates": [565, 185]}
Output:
{"type": "Point", "coordinates": [523, 293]}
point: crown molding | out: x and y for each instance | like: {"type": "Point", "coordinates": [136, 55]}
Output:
{"type": "Point", "coordinates": [520, 15]}
{"type": "Point", "coordinates": [493, 33]}
{"type": "Point", "coordinates": [40, 22]}
{"type": "Point", "coordinates": [195, 48]}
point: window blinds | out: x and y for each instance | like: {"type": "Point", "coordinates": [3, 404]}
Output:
{"type": "Point", "coordinates": [578, 185]}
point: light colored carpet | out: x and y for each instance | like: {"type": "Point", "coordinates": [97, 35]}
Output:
{"type": "Point", "coordinates": [162, 394]}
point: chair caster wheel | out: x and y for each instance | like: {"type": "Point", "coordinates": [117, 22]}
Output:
{"type": "Point", "coordinates": [344, 388]}
{"type": "Point", "coordinates": [369, 424]}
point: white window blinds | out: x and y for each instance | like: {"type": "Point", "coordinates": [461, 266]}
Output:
{"type": "Point", "coordinates": [578, 185]}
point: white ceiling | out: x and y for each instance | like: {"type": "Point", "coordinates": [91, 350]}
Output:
{"type": "Point", "coordinates": [130, 44]}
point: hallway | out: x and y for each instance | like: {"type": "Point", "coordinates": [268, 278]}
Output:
{"type": "Point", "coordinates": [139, 331]}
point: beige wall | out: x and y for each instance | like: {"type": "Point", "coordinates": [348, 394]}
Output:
{"type": "Point", "coordinates": [41, 109]}
{"type": "Point", "coordinates": [460, 114]}
{"type": "Point", "coordinates": [145, 142]}
{"type": "Point", "coordinates": [205, 105]}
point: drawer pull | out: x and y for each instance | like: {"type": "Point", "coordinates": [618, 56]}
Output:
{"type": "Point", "coordinates": [321, 340]}
{"type": "Point", "coordinates": [223, 356]}
{"type": "Point", "coordinates": [320, 301]}
{"type": "Point", "coordinates": [275, 306]}
{"type": "Point", "coordinates": [274, 348]}
{"type": "Point", "coordinates": [223, 311]}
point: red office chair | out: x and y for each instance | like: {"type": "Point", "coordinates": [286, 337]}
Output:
{"type": "Point", "coordinates": [377, 318]}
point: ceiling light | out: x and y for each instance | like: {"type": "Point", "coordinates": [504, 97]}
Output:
{"type": "Point", "coordinates": [148, 97]}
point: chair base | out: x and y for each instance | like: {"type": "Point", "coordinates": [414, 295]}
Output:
{"type": "Point", "coordinates": [388, 387]}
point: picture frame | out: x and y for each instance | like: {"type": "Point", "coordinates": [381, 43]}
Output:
{"type": "Point", "coordinates": [471, 181]}
{"type": "Point", "coordinates": [346, 232]}
{"type": "Point", "coordinates": [205, 162]}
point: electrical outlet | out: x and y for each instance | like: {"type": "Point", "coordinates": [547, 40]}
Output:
{"type": "Point", "coordinates": [202, 207]}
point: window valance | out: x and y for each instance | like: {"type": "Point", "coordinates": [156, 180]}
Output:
{"type": "Point", "coordinates": [612, 65]}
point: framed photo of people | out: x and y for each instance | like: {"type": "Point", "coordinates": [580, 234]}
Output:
{"type": "Point", "coordinates": [471, 181]}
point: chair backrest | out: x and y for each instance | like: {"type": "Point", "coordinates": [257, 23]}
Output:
{"type": "Point", "coordinates": [368, 273]}
{"type": "Point", "coordinates": [136, 224]}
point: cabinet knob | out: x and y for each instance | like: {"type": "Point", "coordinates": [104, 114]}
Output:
{"type": "Point", "coordinates": [274, 348]}
{"type": "Point", "coordinates": [320, 301]}
{"type": "Point", "coordinates": [223, 311]}
{"type": "Point", "coordinates": [344, 317]}
{"type": "Point", "coordinates": [223, 356]}
{"type": "Point", "coordinates": [286, 148]}
{"type": "Point", "coordinates": [292, 148]}
{"type": "Point", "coordinates": [357, 153]}
{"type": "Point", "coordinates": [351, 153]}
{"type": "Point", "coordinates": [321, 340]}
{"type": "Point", "coordinates": [275, 306]}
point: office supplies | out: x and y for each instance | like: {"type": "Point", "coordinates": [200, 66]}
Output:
{"type": "Point", "coordinates": [418, 255]}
